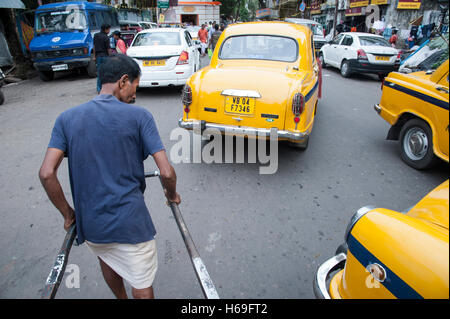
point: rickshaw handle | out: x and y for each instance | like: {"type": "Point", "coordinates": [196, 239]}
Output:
{"type": "Point", "coordinates": [203, 277]}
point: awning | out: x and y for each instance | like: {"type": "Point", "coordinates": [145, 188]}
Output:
{"type": "Point", "coordinates": [12, 4]}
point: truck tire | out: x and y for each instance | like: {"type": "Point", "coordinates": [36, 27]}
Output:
{"type": "Point", "coordinates": [91, 69]}
{"type": "Point", "coordinates": [416, 144]}
{"type": "Point", "coordinates": [46, 75]}
{"type": "Point", "coordinates": [2, 98]}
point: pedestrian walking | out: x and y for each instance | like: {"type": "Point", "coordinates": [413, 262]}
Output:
{"type": "Point", "coordinates": [121, 47]}
{"type": "Point", "coordinates": [214, 37]}
{"type": "Point", "coordinates": [106, 141]}
{"type": "Point", "coordinates": [394, 37]}
{"type": "Point", "coordinates": [102, 49]}
{"type": "Point", "coordinates": [203, 37]}
{"type": "Point", "coordinates": [211, 31]}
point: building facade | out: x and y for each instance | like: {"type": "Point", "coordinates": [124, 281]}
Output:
{"type": "Point", "coordinates": [191, 12]}
{"type": "Point", "coordinates": [364, 14]}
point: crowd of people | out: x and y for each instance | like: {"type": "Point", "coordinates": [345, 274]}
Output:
{"type": "Point", "coordinates": [208, 36]}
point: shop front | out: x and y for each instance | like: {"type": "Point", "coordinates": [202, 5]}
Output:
{"type": "Point", "coordinates": [191, 12]}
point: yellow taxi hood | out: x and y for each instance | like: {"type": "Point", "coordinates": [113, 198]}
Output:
{"type": "Point", "coordinates": [270, 82]}
{"type": "Point", "coordinates": [434, 207]}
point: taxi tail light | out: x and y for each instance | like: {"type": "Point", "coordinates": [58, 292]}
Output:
{"type": "Point", "coordinates": [298, 104]}
{"type": "Point", "coordinates": [361, 54]}
{"type": "Point", "coordinates": [186, 97]}
{"type": "Point", "coordinates": [184, 58]}
{"type": "Point", "coordinates": [399, 55]}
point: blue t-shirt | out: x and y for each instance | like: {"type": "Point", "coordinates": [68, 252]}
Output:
{"type": "Point", "coordinates": [106, 142]}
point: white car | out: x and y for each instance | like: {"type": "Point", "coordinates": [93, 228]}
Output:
{"type": "Point", "coordinates": [166, 56]}
{"type": "Point", "coordinates": [193, 31]}
{"type": "Point", "coordinates": [316, 28]}
{"type": "Point", "coordinates": [357, 52]}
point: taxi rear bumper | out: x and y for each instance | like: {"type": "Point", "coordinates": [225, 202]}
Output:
{"type": "Point", "coordinates": [296, 137]}
{"type": "Point", "coordinates": [324, 272]}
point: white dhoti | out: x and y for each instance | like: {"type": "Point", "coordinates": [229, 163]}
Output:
{"type": "Point", "coordinates": [136, 263]}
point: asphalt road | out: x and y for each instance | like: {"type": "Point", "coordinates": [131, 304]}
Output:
{"type": "Point", "coordinates": [260, 236]}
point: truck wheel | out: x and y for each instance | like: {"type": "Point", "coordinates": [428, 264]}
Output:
{"type": "Point", "coordinates": [345, 69]}
{"type": "Point", "coordinates": [416, 144]}
{"type": "Point", "coordinates": [2, 98]}
{"type": "Point", "coordinates": [46, 75]}
{"type": "Point", "coordinates": [91, 69]}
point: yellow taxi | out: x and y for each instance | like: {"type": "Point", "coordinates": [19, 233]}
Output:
{"type": "Point", "coordinates": [389, 254]}
{"type": "Point", "coordinates": [262, 76]}
{"type": "Point", "coordinates": [416, 107]}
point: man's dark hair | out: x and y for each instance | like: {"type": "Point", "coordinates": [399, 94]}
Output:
{"type": "Point", "coordinates": [105, 27]}
{"type": "Point", "coordinates": [216, 26]}
{"type": "Point", "coordinates": [116, 66]}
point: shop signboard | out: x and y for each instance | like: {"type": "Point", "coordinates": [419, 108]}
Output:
{"type": "Point", "coordinates": [408, 4]}
{"type": "Point", "coordinates": [359, 11]}
{"type": "Point", "coordinates": [379, 2]}
{"type": "Point", "coordinates": [359, 3]}
{"type": "Point", "coordinates": [315, 7]}
{"type": "Point", "coordinates": [261, 13]}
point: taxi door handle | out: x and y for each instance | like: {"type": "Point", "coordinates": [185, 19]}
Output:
{"type": "Point", "coordinates": [440, 88]}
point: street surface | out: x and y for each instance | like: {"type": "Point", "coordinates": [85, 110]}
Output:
{"type": "Point", "coordinates": [260, 236]}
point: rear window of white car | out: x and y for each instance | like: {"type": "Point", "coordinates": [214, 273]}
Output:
{"type": "Point", "coordinates": [259, 47]}
{"type": "Point", "coordinates": [157, 38]}
{"type": "Point", "coordinates": [371, 41]}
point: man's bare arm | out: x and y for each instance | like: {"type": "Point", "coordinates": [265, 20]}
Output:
{"type": "Point", "coordinates": [168, 176]}
{"type": "Point", "coordinates": [50, 182]}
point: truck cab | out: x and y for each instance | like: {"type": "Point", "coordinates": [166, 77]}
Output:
{"type": "Point", "coordinates": [64, 35]}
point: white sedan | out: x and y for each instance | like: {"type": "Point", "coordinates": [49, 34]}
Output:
{"type": "Point", "coordinates": [357, 52]}
{"type": "Point", "coordinates": [166, 56]}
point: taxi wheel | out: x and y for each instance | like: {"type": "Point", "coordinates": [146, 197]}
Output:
{"type": "Point", "coordinates": [299, 146]}
{"type": "Point", "coordinates": [345, 69]}
{"type": "Point", "coordinates": [416, 144]}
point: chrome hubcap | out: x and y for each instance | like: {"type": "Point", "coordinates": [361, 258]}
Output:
{"type": "Point", "coordinates": [344, 68]}
{"type": "Point", "coordinates": [415, 144]}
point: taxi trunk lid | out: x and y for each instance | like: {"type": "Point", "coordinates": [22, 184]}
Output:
{"type": "Point", "coordinates": [263, 93]}
{"type": "Point", "coordinates": [156, 58]}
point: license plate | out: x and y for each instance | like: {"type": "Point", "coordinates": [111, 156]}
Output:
{"type": "Point", "coordinates": [240, 105]}
{"type": "Point", "coordinates": [154, 62]}
{"type": "Point", "coordinates": [382, 58]}
{"type": "Point", "coordinates": [60, 67]}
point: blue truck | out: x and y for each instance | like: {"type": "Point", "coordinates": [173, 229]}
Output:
{"type": "Point", "coordinates": [64, 33]}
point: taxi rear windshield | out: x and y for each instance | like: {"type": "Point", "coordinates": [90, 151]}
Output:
{"type": "Point", "coordinates": [157, 38]}
{"type": "Point", "coordinates": [259, 47]}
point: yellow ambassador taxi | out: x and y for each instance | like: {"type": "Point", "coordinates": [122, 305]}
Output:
{"type": "Point", "coordinates": [416, 106]}
{"type": "Point", "coordinates": [262, 75]}
{"type": "Point", "coordinates": [389, 254]}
